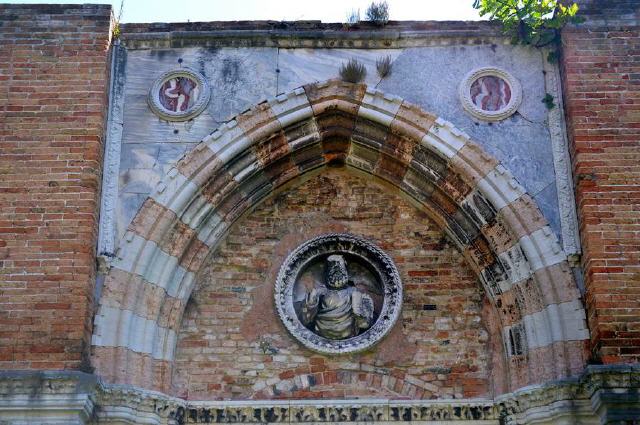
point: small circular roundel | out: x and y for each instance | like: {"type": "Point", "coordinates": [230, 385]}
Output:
{"type": "Point", "coordinates": [490, 94]}
{"type": "Point", "coordinates": [338, 293]}
{"type": "Point", "coordinates": [179, 95]}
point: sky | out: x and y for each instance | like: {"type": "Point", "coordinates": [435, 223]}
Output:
{"type": "Point", "coordinates": [279, 10]}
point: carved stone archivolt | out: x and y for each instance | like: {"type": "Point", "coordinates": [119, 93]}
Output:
{"type": "Point", "coordinates": [338, 293]}
{"type": "Point", "coordinates": [490, 94]}
{"type": "Point", "coordinates": [179, 95]}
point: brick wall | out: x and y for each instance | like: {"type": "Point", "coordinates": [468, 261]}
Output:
{"type": "Point", "coordinates": [441, 346]}
{"type": "Point", "coordinates": [601, 73]}
{"type": "Point", "coordinates": [53, 81]}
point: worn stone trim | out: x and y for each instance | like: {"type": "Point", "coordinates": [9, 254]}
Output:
{"type": "Point", "coordinates": [471, 108]}
{"type": "Point", "coordinates": [143, 370]}
{"type": "Point", "coordinates": [298, 27]}
{"type": "Point", "coordinates": [229, 173]}
{"type": "Point", "coordinates": [542, 249]}
{"type": "Point", "coordinates": [123, 328]}
{"type": "Point", "coordinates": [601, 394]}
{"type": "Point", "coordinates": [577, 398]}
{"type": "Point", "coordinates": [534, 294]}
{"type": "Point", "coordinates": [124, 289]}
{"type": "Point", "coordinates": [573, 325]}
{"type": "Point", "coordinates": [311, 40]}
{"type": "Point", "coordinates": [113, 142]}
{"type": "Point", "coordinates": [199, 106]}
{"type": "Point", "coordinates": [50, 397]}
{"type": "Point", "coordinates": [500, 187]}
{"type": "Point", "coordinates": [179, 243]}
{"type": "Point", "coordinates": [561, 160]}
{"type": "Point", "coordinates": [145, 258]}
{"type": "Point", "coordinates": [522, 216]}
{"type": "Point", "coordinates": [310, 34]}
{"type": "Point", "coordinates": [445, 139]}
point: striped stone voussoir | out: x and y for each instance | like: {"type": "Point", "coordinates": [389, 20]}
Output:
{"type": "Point", "coordinates": [495, 223]}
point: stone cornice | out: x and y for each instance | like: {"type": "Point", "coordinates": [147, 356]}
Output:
{"type": "Point", "coordinates": [47, 396]}
{"type": "Point", "coordinates": [601, 393]}
{"type": "Point", "coordinates": [310, 34]}
{"type": "Point", "coordinates": [571, 397]}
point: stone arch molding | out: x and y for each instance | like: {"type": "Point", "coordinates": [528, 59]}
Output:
{"type": "Point", "coordinates": [495, 223]}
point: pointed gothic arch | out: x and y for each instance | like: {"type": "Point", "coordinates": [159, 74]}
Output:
{"type": "Point", "coordinates": [495, 223]}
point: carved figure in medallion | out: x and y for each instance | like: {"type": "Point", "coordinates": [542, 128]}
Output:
{"type": "Point", "coordinates": [338, 293]}
{"type": "Point", "coordinates": [178, 94]}
{"type": "Point", "coordinates": [490, 93]}
{"type": "Point", "coordinates": [338, 310]}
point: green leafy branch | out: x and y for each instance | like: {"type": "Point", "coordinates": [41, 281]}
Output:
{"type": "Point", "coordinates": [532, 22]}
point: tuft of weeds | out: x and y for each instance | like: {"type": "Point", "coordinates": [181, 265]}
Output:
{"type": "Point", "coordinates": [383, 66]}
{"type": "Point", "coordinates": [353, 19]}
{"type": "Point", "coordinates": [117, 31]}
{"type": "Point", "coordinates": [353, 71]}
{"type": "Point", "coordinates": [378, 13]}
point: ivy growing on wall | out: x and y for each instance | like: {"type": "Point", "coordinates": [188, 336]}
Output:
{"type": "Point", "coordinates": [532, 22]}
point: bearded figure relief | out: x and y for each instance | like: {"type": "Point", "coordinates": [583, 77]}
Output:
{"type": "Point", "coordinates": [338, 293]}
{"type": "Point", "coordinates": [338, 310]}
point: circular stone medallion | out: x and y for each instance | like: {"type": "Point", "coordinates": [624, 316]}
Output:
{"type": "Point", "coordinates": [490, 94]}
{"type": "Point", "coordinates": [338, 293]}
{"type": "Point", "coordinates": [179, 95]}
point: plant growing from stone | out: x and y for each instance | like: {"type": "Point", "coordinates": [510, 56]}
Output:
{"type": "Point", "coordinates": [353, 18]}
{"type": "Point", "coordinates": [115, 33]}
{"type": "Point", "coordinates": [378, 13]}
{"type": "Point", "coordinates": [548, 101]}
{"type": "Point", "coordinates": [531, 22]}
{"type": "Point", "coordinates": [353, 71]}
{"type": "Point", "coordinates": [383, 66]}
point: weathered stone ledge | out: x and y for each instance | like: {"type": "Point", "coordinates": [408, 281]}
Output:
{"type": "Point", "coordinates": [306, 25]}
{"type": "Point", "coordinates": [603, 394]}
{"type": "Point", "coordinates": [308, 34]}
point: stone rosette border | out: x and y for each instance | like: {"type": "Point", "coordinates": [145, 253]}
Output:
{"type": "Point", "coordinates": [471, 108]}
{"type": "Point", "coordinates": [195, 110]}
{"type": "Point", "coordinates": [343, 243]}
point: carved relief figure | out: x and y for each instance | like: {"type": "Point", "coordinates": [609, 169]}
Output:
{"type": "Point", "coordinates": [490, 93]}
{"type": "Point", "coordinates": [178, 94]}
{"type": "Point", "coordinates": [338, 310]}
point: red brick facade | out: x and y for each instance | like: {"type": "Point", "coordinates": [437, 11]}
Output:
{"type": "Point", "coordinates": [54, 76]}
{"type": "Point", "coordinates": [601, 76]}
{"type": "Point", "coordinates": [53, 81]}
{"type": "Point", "coordinates": [441, 349]}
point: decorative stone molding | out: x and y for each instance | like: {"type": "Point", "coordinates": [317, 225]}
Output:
{"type": "Point", "coordinates": [113, 142]}
{"type": "Point", "coordinates": [490, 94]}
{"type": "Point", "coordinates": [309, 34]}
{"type": "Point", "coordinates": [170, 410]}
{"type": "Point", "coordinates": [603, 394]}
{"type": "Point", "coordinates": [47, 397]}
{"type": "Point", "coordinates": [577, 399]}
{"type": "Point", "coordinates": [383, 275]}
{"type": "Point", "coordinates": [179, 95]}
{"type": "Point", "coordinates": [561, 160]}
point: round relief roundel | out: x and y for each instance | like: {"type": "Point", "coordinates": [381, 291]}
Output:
{"type": "Point", "coordinates": [490, 94]}
{"type": "Point", "coordinates": [338, 293]}
{"type": "Point", "coordinates": [179, 95]}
